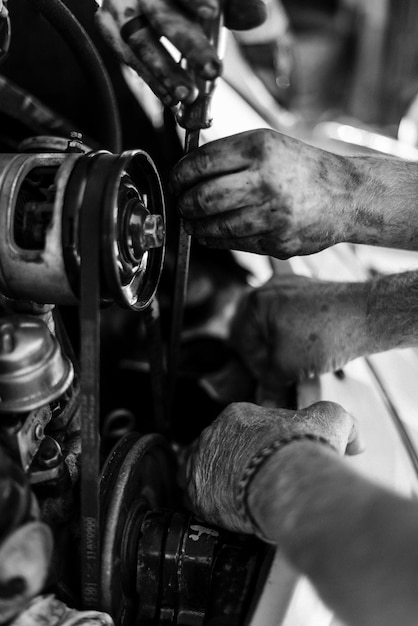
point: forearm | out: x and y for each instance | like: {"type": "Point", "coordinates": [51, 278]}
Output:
{"type": "Point", "coordinates": [392, 312]}
{"type": "Point", "coordinates": [384, 208]}
{"type": "Point", "coordinates": [354, 540]}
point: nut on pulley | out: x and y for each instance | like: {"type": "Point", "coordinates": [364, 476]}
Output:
{"type": "Point", "coordinates": [41, 200]}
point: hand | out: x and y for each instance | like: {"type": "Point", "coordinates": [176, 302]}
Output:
{"type": "Point", "coordinates": [263, 192]}
{"type": "Point", "coordinates": [178, 21]}
{"type": "Point", "coordinates": [294, 327]}
{"type": "Point", "coordinates": [223, 450]}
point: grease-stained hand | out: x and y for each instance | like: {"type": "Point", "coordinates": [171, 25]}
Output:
{"type": "Point", "coordinates": [179, 21]}
{"type": "Point", "coordinates": [264, 192]}
{"type": "Point", "coordinates": [223, 450]}
{"type": "Point", "coordinates": [295, 327]}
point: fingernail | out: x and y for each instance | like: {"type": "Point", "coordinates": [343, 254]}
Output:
{"type": "Point", "coordinates": [207, 13]}
{"type": "Point", "coordinates": [181, 93]}
{"type": "Point", "coordinates": [211, 69]}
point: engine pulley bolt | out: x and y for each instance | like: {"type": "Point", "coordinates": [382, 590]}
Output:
{"type": "Point", "coordinates": [7, 342]}
{"type": "Point", "coordinates": [76, 142]}
{"type": "Point", "coordinates": [154, 231]}
{"type": "Point", "coordinates": [146, 233]}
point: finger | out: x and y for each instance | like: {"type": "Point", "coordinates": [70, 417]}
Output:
{"type": "Point", "coordinates": [253, 244]}
{"type": "Point", "coordinates": [203, 9]}
{"type": "Point", "coordinates": [110, 32]}
{"type": "Point", "coordinates": [241, 222]}
{"type": "Point", "coordinates": [245, 14]}
{"type": "Point", "coordinates": [356, 443]}
{"type": "Point", "coordinates": [146, 46]}
{"type": "Point", "coordinates": [337, 425]}
{"type": "Point", "coordinates": [185, 34]}
{"type": "Point", "coordinates": [224, 156]}
{"type": "Point", "coordinates": [222, 194]}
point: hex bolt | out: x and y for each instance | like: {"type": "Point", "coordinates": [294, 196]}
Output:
{"type": "Point", "coordinates": [76, 142]}
{"type": "Point", "coordinates": [154, 231]}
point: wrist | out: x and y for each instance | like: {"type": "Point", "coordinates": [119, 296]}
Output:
{"type": "Point", "coordinates": [260, 478]}
{"type": "Point", "coordinates": [336, 177]}
{"type": "Point", "coordinates": [383, 209]}
{"type": "Point", "coordinates": [392, 308]}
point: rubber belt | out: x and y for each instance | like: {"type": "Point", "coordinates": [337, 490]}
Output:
{"type": "Point", "coordinates": [180, 289]}
{"type": "Point", "coordinates": [157, 370]}
{"type": "Point", "coordinates": [90, 226]}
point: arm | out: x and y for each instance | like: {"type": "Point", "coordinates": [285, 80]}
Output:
{"type": "Point", "coordinates": [353, 539]}
{"type": "Point", "coordinates": [265, 192]}
{"type": "Point", "coordinates": [384, 208]}
{"type": "Point", "coordinates": [294, 327]}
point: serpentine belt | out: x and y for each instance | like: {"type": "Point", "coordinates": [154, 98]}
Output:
{"type": "Point", "coordinates": [180, 287]}
{"type": "Point", "coordinates": [90, 235]}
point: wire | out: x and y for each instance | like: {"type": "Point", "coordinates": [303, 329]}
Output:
{"type": "Point", "coordinates": [61, 18]}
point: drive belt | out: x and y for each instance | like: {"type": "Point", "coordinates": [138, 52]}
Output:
{"type": "Point", "coordinates": [180, 287]}
{"type": "Point", "coordinates": [90, 237]}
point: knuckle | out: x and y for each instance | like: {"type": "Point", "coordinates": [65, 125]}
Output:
{"type": "Point", "coordinates": [201, 163]}
{"type": "Point", "coordinates": [264, 139]}
{"type": "Point", "coordinates": [225, 229]}
{"type": "Point", "coordinates": [201, 198]}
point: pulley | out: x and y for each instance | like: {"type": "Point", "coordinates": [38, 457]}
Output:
{"type": "Point", "coordinates": [41, 199]}
{"type": "Point", "coordinates": [139, 475]}
{"type": "Point", "coordinates": [161, 565]}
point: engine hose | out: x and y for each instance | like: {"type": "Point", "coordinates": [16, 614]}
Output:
{"type": "Point", "coordinates": [61, 18]}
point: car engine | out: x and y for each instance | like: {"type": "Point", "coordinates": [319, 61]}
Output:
{"type": "Point", "coordinates": [94, 527]}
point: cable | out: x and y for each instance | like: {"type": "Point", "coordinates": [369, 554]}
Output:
{"type": "Point", "coordinates": [61, 18]}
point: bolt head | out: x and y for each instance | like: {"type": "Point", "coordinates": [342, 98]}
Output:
{"type": "Point", "coordinates": [154, 231]}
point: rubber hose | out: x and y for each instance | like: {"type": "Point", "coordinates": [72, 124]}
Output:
{"type": "Point", "coordinates": [61, 18]}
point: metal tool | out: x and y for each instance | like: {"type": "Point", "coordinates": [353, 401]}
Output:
{"type": "Point", "coordinates": [193, 118]}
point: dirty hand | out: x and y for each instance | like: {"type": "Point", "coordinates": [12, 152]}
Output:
{"type": "Point", "coordinates": [224, 449]}
{"type": "Point", "coordinates": [264, 192]}
{"type": "Point", "coordinates": [138, 42]}
{"type": "Point", "coordinates": [295, 327]}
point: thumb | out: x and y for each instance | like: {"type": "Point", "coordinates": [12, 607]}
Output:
{"type": "Point", "coordinates": [356, 443]}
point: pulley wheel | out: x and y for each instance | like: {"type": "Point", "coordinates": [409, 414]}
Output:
{"type": "Point", "coordinates": [133, 230]}
{"type": "Point", "coordinates": [192, 574]}
{"type": "Point", "coordinates": [132, 224]}
{"type": "Point", "coordinates": [139, 475]}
